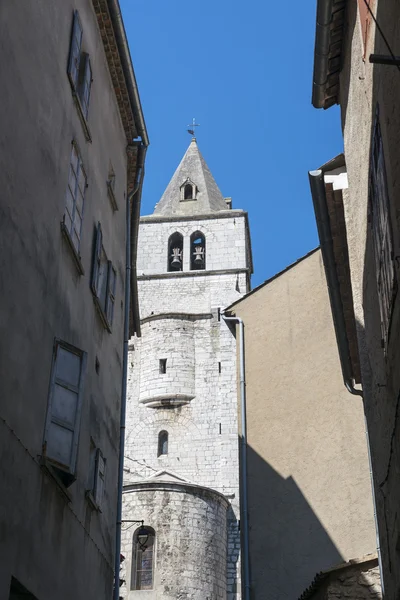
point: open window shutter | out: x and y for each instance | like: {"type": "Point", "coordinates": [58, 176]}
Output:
{"type": "Point", "coordinates": [110, 299]}
{"type": "Point", "coordinates": [85, 83]}
{"type": "Point", "coordinates": [75, 50]}
{"type": "Point", "coordinates": [63, 415]}
{"type": "Point", "coordinates": [100, 474]}
{"type": "Point", "coordinates": [96, 261]}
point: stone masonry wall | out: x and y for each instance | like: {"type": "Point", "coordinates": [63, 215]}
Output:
{"type": "Point", "coordinates": [225, 243]}
{"type": "Point", "coordinates": [159, 340]}
{"type": "Point", "coordinates": [190, 543]}
{"type": "Point", "coordinates": [200, 352]}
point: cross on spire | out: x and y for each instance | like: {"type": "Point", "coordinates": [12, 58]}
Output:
{"type": "Point", "coordinates": [193, 125]}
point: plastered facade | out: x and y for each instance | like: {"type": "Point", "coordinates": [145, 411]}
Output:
{"type": "Point", "coordinates": [363, 87]}
{"type": "Point", "coordinates": [195, 401]}
{"type": "Point", "coordinates": [52, 540]}
{"type": "Point", "coordinates": [309, 491]}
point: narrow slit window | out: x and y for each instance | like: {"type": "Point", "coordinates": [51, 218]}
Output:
{"type": "Point", "coordinates": [162, 443]}
{"type": "Point", "coordinates": [163, 366]}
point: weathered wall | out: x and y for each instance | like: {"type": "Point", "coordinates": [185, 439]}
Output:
{"type": "Point", "coordinates": [200, 352]}
{"type": "Point", "coordinates": [363, 86]}
{"type": "Point", "coordinates": [190, 545]}
{"type": "Point", "coordinates": [55, 548]}
{"type": "Point", "coordinates": [308, 481]}
{"type": "Point", "coordinates": [358, 580]}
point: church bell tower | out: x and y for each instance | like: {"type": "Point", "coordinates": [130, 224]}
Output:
{"type": "Point", "coordinates": [181, 457]}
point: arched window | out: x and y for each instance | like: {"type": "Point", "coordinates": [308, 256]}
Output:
{"type": "Point", "coordinates": [142, 576]}
{"type": "Point", "coordinates": [162, 443]}
{"type": "Point", "coordinates": [188, 192]}
{"type": "Point", "coordinates": [197, 251]}
{"type": "Point", "coordinates": [175, 252]}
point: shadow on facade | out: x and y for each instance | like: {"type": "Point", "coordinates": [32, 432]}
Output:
{"type": "Point", "coordinates": [288, 543]}
{"type": "Point", "coordinates": [381, 374]}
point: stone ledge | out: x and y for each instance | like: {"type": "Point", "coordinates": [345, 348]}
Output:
{"type": "Point", "coordinates": [177, 315]}
{"type": "Point", "coordinates": [178, 274]}
{"type": "Point", "coordinates": [166, 400]}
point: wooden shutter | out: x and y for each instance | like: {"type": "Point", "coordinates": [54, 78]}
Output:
{"type": "Point", "coordinates": [75, 50]}
{"type": "Point", "coordinates": [96, 261]}
{"type": "Point", "coordinates": [64, 408]}
{"type": "Point", "coordinates": [110, 298]}
{"type": "Point", "coordinates": [85, 83]}
{"type": "Point", "coordinates": [99, 478]}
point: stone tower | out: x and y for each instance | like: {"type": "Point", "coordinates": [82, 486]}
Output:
{"type": "Point", "coordinates": [182, 465]}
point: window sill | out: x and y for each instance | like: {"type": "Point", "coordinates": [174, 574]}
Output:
{"type": "Point", "coordinates": [48, 468]}
{"type": "Point", "coordinates": [82, 117]}
{"type": "Point", "coordinates": [91, 501]}
{"type": "Point", "coordinates": [102, 314]}
{"type": "Point", "coordinates": [111, 196]}
{"type": "Point", "coordinates": [75, 254]}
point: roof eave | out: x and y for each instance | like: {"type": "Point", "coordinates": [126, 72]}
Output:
{"type": "Point", "coordinates": [318, 193]}
{"type": "Point", "coordinates": [329, 32]}
{"type": "Point", "coordinates": [127, 67]}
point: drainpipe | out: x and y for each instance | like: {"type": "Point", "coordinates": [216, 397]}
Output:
{"type": "Point", "coordinates": [243, 454]}
{"type": "Point", "coordinates": [130, 199]}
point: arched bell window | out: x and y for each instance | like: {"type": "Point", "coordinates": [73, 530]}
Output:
{"type": "Point", "coordinates": [175, 252]}
{"type": "Point", "coordinates": [162, 443]}
{"type": "Point", "coordinates": [197, 251]}
{"type": "Point", "coordinates": [142, 577]}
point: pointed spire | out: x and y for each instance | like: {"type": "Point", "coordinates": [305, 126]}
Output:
{"type": "Point", "coordinates": [192, 189]}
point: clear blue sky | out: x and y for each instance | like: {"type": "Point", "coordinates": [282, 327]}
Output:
{"type": "Point", "coordinates": [244, 70]}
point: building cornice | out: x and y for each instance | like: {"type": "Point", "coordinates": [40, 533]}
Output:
{"type": "Point", "coordinates": [180, 274]}
{"type": "Point", "coordinates": [221, 214]}
{"type": "Point", "coordinates": [177, 487]}
{"type": "Point", "coordinates": [177, 315]}
{"type": "Point", "coordinates": [329, 34]}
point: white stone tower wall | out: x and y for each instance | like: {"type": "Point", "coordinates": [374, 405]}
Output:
{"type": "Point", "coordinates": [225, 242]}
{"type": "Point", "coordinates": [190, 543]}
{"type": "Point", "coordinates": [171, 340]}
{"type": "Point", "coordinates": [195, 401]}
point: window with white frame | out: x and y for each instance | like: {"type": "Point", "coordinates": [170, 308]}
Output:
{"type": "Point", "coordinates": [104, 277]}
{"type": "Point", "coordinates": [61, 435]}
{"type": "Point", "coordinates": [79, 69]}
{"type": "Point", "coordinates": [381, 229]}
{"type": "Point", "coordinates": [97, 476]}
{"type": "Point", "coordinates": [75, 198]}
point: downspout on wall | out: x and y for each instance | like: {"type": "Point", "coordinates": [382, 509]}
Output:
{"type": "Point", "coordinates": [317, 184]}
{"type": "Point", "coordinates": [243, 455]}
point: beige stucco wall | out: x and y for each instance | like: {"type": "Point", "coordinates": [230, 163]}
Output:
{"type": "Point", "coordinates": [308, 479]}
{"type": "Point", "coordinates": [362, 86]}
{"type": "Point", "coordinates": [55, 548]}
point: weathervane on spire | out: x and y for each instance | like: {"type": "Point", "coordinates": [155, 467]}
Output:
{"type": "Point", "coordinates": [193, 125]}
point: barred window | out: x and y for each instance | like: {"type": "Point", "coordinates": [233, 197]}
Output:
{"type": "Point", "coordinates": [143, 559]}
{"type": "Point", "coordinates": [381, 229]}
